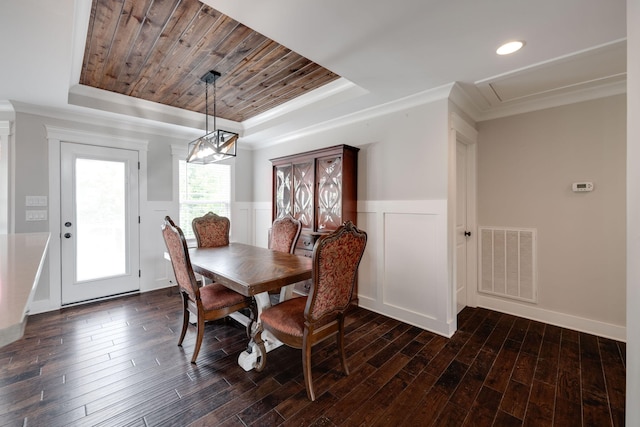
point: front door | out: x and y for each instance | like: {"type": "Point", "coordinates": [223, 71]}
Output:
{"type": "Point", "coordinates": [99, 215]}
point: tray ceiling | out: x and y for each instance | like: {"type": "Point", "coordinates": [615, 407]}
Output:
{"type": "Point", "coordinates": [159, 50]}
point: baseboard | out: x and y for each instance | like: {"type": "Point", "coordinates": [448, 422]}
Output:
{"type": "Point", "coordinates": [414, 319]}
{"type": "Point", "coordinates": [42, 306]}
{"type": "Point", "coordinates": [563, 320]}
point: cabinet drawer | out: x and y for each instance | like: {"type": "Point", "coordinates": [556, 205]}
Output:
{"type": "Point", "coordinates": [303, 252]}
{"type": "Point", "coordinates": [305, 242]}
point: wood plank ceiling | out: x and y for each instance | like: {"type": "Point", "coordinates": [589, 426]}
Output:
{"type": "Point", "coordinates": [158, 50]}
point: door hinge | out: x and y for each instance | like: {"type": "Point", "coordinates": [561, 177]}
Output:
{"type": "Point", "coordinates": [138, 165]}
{"type": "Point", "coordinates": [139, 273]}
{"type": "Point", "coordinates": [138, 219]}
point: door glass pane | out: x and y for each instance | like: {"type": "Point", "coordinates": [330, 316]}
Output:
{"type": "Point", "coordinates": [329, 191]}
{"type": "Point", "coordinates": [283, 191]}
{"type": "Point", "coordinates": [100, 219]}
{"type": "Point", "coordinates": [303, 193]}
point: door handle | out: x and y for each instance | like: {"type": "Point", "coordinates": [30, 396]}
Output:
{"type": "Point", "coordinates": [467, 233]}
{"type": "Point", "coordinates": [67, 235]}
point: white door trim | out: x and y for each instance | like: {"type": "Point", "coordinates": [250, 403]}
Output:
{"type": "Point", "coordinates": [78, 283]}
{"type": "Point", "coordinates": [463, 132]}
{"type": "Point", "coordinates": [55, 136]}
{"type": "Point", "coordinates": [7, 192]}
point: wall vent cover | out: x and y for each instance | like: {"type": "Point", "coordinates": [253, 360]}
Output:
{"type": "Point", "coordinates": [508, 263]}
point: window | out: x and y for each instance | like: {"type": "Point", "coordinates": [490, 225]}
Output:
{"type": "Point", "coordinates": [203, 188]}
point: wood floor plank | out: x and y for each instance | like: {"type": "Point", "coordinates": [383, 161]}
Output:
{"type": "Point", "coordinates": [614, 373]}
{"type": "Point", "coordinates": [499, 376]}
{"type": "Point", "coordinates": [117, 363]}
{"type": "Point", "coordinates": [406, 401]}
{"type": "Point", "coordinates": [484, 408]}
{"type": "Point", "coordinates": [515, 399]}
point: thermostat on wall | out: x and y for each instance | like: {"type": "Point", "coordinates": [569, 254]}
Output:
{"type": "Point", "coordinates": [583, 186]}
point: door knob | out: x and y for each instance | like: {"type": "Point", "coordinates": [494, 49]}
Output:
{"type": "Point", "coordinates": [467, 233]}
{"type": "Point", "coordinates": [67, 235]}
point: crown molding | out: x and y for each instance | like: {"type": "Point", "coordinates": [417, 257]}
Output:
{"type": "Point", "coordinates": [99, 99]}
{"type": "Point", "coordinates": [105, 119]}
{"type": "Point", "coordinates": [6, 106]}
{"type": "Point", "coordinates": [82, 136]}
{"type": "Point", "coordinates": [468, 103]}
{"type": "Point", "coordinates": [596, 92]}
{"type": "Point", "coordinates": [426, 97]}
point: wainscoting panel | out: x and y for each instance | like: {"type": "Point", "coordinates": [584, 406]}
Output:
{"type": "Point", "coordinates": [241, 229]}
{"type": "Point", "coordinates": [250, 222]}
{"type": "Point", "coordinates": [405, 264]}
{"type": "Point", "coordinates": [155, 271]}
{"type": "Point", "coordinates": [262, 215]}
{"type": "Point", "coordinates": [405, 272]}
{"type": "Point", "coordinates": [368, 272]}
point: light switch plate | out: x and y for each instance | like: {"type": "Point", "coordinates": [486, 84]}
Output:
{"type": "Point", "coordinates": [36, 201]}
{"type": "Point", "coordinates": [34, 215]}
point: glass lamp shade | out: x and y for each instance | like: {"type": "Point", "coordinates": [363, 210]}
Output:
{"type": "Point", "coordinates": [213, 147]}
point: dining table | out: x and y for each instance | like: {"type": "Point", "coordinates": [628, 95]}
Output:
{"type": "Point", "coordinates": [252, 271]}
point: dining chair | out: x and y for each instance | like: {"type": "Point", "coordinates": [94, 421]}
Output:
{"type": "Point", "coordinates": [211, 230]}
{"type": "Point", "coordinates": [284, 235]}
{"type": "Point", "coordinates": [206, 303]}
{"type": "Point", "coordinates": [304, 322]}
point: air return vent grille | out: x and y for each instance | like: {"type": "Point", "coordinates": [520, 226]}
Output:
{"type": "Point", "coordinates": [508, 263]}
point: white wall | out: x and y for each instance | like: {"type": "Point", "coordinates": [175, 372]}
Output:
{"type": "Point", "coordinates": [632, 415]}
{"type": "Point", "coordinates": [402, 205]}
{"type": "Point", "coordinates": [526, 165]}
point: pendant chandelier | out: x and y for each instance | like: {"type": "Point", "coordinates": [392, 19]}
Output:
{"type": "Point", "coordinates": [218, 144]}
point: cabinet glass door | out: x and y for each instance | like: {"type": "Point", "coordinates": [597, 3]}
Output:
{"type": "Point", "coordinates": [329, 193]}
{"type": "Point", "coordinates": [303, 193]}
{"type": "Point", "coordinates": [283, 191]}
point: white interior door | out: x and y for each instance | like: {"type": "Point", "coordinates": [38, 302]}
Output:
{"type": "Point", "coordinates": [462, 231]}
{"type": "Point", "coordinates": [99, 215]}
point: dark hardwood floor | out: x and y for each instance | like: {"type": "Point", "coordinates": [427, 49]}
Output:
{"type": "Point", "coordinates": [116, 363]}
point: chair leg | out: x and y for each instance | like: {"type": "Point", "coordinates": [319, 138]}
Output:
{"type": "Point", "coordinates": [185, 320]}
{"type": "Point", "coordinates": [306, 367]}
{"type": "Point", "coordinates": [343, 356]}
{"type": "Point", "coordinates": [199, 337]}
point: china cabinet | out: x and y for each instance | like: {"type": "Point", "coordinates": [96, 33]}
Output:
{"type": "Point", "coordinates": [319, 188]}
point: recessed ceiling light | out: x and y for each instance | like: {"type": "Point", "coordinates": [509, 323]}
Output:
{"type": "Point", "coordinates": [509, 47]}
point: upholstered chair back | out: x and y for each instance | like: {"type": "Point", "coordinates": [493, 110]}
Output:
{"type": "Point", "coordinates": [211, 230]}
{"type": "Point", "coordinates": [336, 258]}
{"type": "Point", "coordinates": [179, 254]}
{"type": "Point", "coordinates": [284, 234]}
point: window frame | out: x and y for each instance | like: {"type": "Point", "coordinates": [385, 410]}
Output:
{"type": "Point", "coordinates": [179, 153]}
